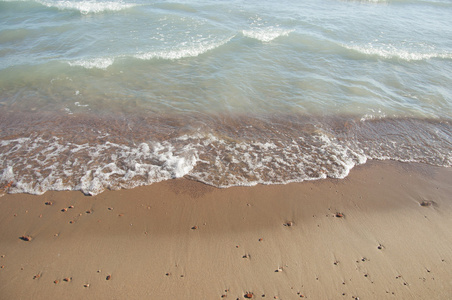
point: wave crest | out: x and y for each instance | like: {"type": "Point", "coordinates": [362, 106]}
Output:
{"type": "Point", "coordinates": [390, 52]}
{"type": "Point", "coordinates": [266, 34]}
{"type": "Point", "coordinates": [93, 63]}
{"type": "Point", "coordinates": [195, 49]}
{"type": "Point", "coordinates": [86, 6]}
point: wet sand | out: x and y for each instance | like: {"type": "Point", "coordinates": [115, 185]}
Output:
{"type": "Point", "coordinates": [384, 232]}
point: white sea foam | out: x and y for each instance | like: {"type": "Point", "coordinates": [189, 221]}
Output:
{"type": "Point", "coordinates": [368, 1]}
{"type": "Point", "coordinates": [94, 168]}
{"type": "Point", "coordinates": [53, 165]}
{"type": "Point", "coordinates": [93, 63]}
{"type": "Point", "coordinates": [87, 6]}
{"type": "Point", "coordinates": [252, 163]}
{"type": "Point", "coordinates": [194, 49]}
{"type": "Point", "coordinates": [8, 174]}
{"type": "Point", "coordinates": [390, 51]}
{"type": "Point", "coordinates": [373, 115]}
{"type": "Point", "coordinates": [183, 51]}
{"type": "Point", "coordinates": [266, 34]}
{"type": "Point", "coordinates": [80, 105]}
{"type": "Point", "coordinates": [36, 165]}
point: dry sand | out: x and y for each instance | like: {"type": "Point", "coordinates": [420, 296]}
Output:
{"type": "Point", "coordinates": [366, 236]}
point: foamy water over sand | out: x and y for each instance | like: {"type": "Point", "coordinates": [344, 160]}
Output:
{"type": "Point", "coordinates": [118, 94]}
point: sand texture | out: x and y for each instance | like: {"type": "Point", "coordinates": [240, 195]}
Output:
{"type": "Point", "coordinates": [384, 232]}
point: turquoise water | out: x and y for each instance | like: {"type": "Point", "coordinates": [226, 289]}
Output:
{"type": "Point", "coordinates": [116, 94]}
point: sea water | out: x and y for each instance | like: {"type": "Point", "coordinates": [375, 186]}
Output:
{"type": "Point", "coordinates": [117, 94]}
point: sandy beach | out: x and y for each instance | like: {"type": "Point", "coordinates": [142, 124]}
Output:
{"type": "Point", "coordinates": [384, 232]}
{"type": "Point", "coordinates": [189, 150]}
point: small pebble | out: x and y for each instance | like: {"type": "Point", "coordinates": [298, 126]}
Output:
{"type": "Point", "coordinates": [67, 279]}
{"type": "Point", "coordinates": [56, 281]}
{"type": "Point", "coordinates": [26, 238]}
{"type": "Point", "coordinates": [194, 227]}
{"type": "Point", "coordinates": [48, 203]}
{"type": "Point", "coordinates": [108, 277]}
{"type": "Point", "coordinates": [86, 285]}
{"type": "Point", "coordinates": [71, 206]}
{"type": "Point", "coordinates": [248, 295]}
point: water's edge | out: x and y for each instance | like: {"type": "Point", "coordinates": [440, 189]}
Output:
{"type": "Point", "coordinates": [92, 154]}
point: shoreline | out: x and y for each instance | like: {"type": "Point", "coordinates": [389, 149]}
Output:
{"type": "Point", "coordinates": [365, 236]}
{"type": "Point", "coordinates": [93, 155]}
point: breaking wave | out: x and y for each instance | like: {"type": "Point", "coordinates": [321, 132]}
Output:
{"type": "Point", "coordinates": [86, 6]}
{"type": "Point", "coordinates": [390, 52]}
{"type": "Point", "coordinates": [195, 49]}
{"type": "Point", "coordinates": [98, 63]}
{"type": "Point", "coordinates": [266, 34]}
{"type": "Point", "coordinates": [175, 53]}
